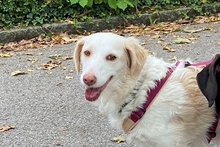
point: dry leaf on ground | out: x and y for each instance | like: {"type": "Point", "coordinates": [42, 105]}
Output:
{"type": "Point", "coordinates": [66, 58]}
{"type": "Point", "coordinates": [32, 59]}
{"type": "Point", "coordinates": [58, 144]}
{"type": "Point", "coordinates": [50, 64]}
{"type": "Point", "coordinates": [169, 49]}
{"type": "Point", "coordinates": [181, 41]}
{"type": "Point", "coordinates": [60, 57]}
{"type": "Point", "coordinates": [68, 39]}
{"type": "Point", "coordinates": [28, 53]}
{"type": "Point", "coordinates": [5, 128]}
{"type": "Point", "coordinates": [70, 71]}
{"type": "Point", "coordinates": [62, 67]}
{"type": "Point", "coordinates": [55, 57]}
{"type": "Point", "coordinates": [197, 30]}
{"type": "Point", "coordinates": [57, 38]}
{"type": "Point", "coordinates": [5, 55]}
{"type": "Point", "coordinates": [63, 129]}
{"type": "Point", "coordinates": [64, 38]}
{"type": "Point", "coordinates": [173, 59]}
{"type": "Point", "coordinates": [118, 139]}
{"type": "Point", "coordinates": [18, 72]}
{"type": "Point", "coordinates": [59, 84]}
{"type": "Point", "coordinates": [68, 77]}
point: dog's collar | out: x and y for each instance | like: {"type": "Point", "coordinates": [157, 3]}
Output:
{"type": "Point", "coordinates": [134, 92]}
{"type": "Point", "coordinates": [130, 122]}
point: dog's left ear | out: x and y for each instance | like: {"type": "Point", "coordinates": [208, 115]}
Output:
{"type": "Point", "coordinates": [209, 82]}
{"type": "Point", "coordinates": [136, 56]}
{"type": "Point", "coordinates": [77, 53]}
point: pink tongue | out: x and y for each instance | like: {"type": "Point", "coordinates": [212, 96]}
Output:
{"type": "Point", "coordinates": [92, 94]}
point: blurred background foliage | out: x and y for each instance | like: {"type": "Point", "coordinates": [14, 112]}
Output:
{"type": "Point", "coordinates": [37, 12]}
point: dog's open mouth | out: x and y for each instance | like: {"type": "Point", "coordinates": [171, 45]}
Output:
{"type": "Point", "coordinates": [92, 94]}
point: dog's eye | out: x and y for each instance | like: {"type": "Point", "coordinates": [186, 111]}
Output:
{"type": "Point", "coordinates": [87, 53]}
{"type": "Point", "coordinates": [110, 57]}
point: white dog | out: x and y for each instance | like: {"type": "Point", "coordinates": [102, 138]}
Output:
{"type": "Point", "coordinates": [157, 104]}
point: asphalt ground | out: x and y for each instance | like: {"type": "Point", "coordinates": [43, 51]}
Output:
{"type": "Point", "coordinates": [47, 108]}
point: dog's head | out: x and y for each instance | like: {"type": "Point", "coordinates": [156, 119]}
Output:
{"type": "Point", "coordinates": [209, 82]}
{"type": "Point", "coordinates": [104, 57]}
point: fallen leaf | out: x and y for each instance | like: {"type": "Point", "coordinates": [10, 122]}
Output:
{"type": "Point", "coordinates": [198, 30]}
{"type": "Point", "coordinates": [59, 84]}
{"type": "Point", "coordinates": [67, 38]}
{"type": "Point", "coordinates": [58, 144]}
{"type": "Point", "coordinates": [57, 38]}
{"type": "Point", "coordinates": [60, 57]}
{"type": "Point", "coordinates": [155, 36]}
{"type": "Point", "coordinates": [144, 42]}
{"type": "Point", "coordinates": [192, 31]}
{"type": "Point", "coordinates": [66, 58]}
{"type": "Point", "coordinates": [18, 72]}
{"type": "Point", "coordinates": [55, 57]}
{"type": "Point", "coordinates": [68, 77]}
{"type": "Point", "coordinates": [29, 70]}
{"type": "Point", "coordinates": [5, 128]}
{"type": "Point", "coordinates": [118, 139]}
{"type": "Point", "coordinates": [70, 71]}
{"type": "Point", "coordinates": [181, 40]}
{"type": "Point", "coordinates": [184, 21]}
{"type": "Point", "coordinates": [173, 59]}
{"type": "Point", "coordinates": [46, 66]}
{"type": "Point", "coordinates": [194, 38]}
{"type": "Point", "coordinates": [5, 55]}
{"type": "Point", "coordinates": [62, 67]}
{"type": "Point", "coordinates": [34, 45]}
{"type": "Point", "coordinates": [63, 129]}
{"type": "Point", "coordinates": [39, 54]}
{"type": "Point", "coordinates": [28, 53]}
{"type": "Point", "coordinates": [49, 72]}
{"type": "Point", "coordinates": [50, 65]}
{"type": "Point", "coordinates": [169, 49]}
{"type": "Point", "coordinates": [32, 59]}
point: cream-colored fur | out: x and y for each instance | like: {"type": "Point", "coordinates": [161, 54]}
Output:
{"type": "Point", "coordinates": [178, 117]}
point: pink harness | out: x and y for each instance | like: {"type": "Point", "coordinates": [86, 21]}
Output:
{"type": "Point", "coordinates": [130, 122]}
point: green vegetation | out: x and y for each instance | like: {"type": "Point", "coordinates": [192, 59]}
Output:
{"type": "Point", "coordinates": [36, 12]}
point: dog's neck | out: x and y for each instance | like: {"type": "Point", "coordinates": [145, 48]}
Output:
{"type": "Point", "coordinates": [133, 94]}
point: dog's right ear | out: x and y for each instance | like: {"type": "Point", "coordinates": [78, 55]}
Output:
{"type": "Point", "coordinates": [209, 82]}
{"type": "Point", "coordinates": [77, 53]}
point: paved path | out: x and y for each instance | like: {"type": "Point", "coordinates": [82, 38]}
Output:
{"type": "Point", "coordinates": [48, 109]}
